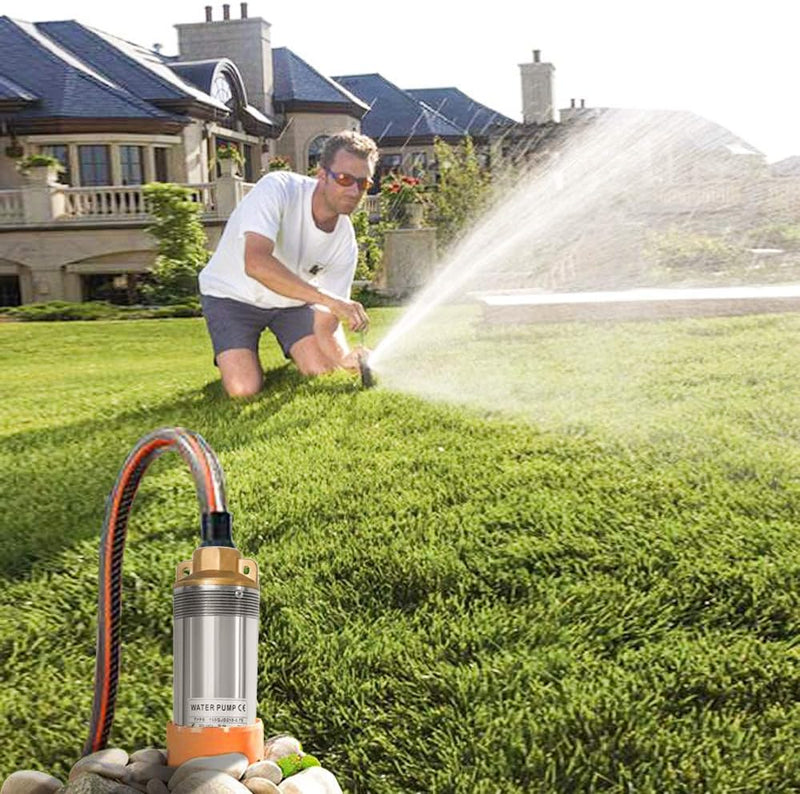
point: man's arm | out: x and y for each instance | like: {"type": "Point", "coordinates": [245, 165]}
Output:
{"type": "Point", "coordinates": [264, 267]}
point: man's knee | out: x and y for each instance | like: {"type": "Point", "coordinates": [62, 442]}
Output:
{"type": "Point", "coordinates": [241, 373]}
{"type": "Point", "coordinates": [239, 388]}
{"type": "Point", "coordinates": [309, 358]}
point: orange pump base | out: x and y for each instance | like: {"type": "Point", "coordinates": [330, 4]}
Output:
{"type": "Point", "coordinates": [185, 742]}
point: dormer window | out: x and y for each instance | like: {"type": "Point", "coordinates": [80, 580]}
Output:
{"type": "Point", "coordinates": [222, 90]}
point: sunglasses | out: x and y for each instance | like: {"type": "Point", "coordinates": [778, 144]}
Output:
{"type": "Point", "coordinates": [348, 180]}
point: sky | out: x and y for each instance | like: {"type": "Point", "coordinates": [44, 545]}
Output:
{"type": "Point", "coordinates": [732, 62]}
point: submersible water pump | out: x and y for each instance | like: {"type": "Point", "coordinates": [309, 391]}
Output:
{"type": "Point", "coordinates": [216, 606]}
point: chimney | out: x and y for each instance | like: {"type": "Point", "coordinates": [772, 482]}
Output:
{"type": "Point", "coordinates": [247, 44]}
{"type": "Point", "coordinates": [583, 104]}
{"type": "Point", "coordinates": [537, 91]}
{"type": "Point", "coordinates": [572, 103]}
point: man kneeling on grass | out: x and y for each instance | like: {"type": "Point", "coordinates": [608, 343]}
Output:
{"type": "Point", "coordinates": [286, 262]}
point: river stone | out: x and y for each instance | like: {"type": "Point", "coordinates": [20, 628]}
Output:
{"type": "Point", "coordinates": [232, 764]}
{"type": "Point", "coordinates": [89, 783]}
{"type": "Point", "coordinates": [102, 768]}
{"type": "Point", "coordinates": [156, 786]}
{"type": "Point", "coordinates": [260, 785]}
{"type": "Point", "coordinates": [149, 755]}
{"type": "Point", "coordinates": [140, 772]}
{"type": "Point", "coordinates": [314, 780]}
{"type": "Point", "coordinates": [264, 769]}
{"type": "Point", "coordinates": [209, 781]}
{"type": "Point", "coordinates": [112, 755]}
{"type": "Point", "coordinates": [28, 781]}
{"type": "Point", "coordinates": [280, 746]}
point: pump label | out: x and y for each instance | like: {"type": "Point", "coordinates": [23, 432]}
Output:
{"type": "Point", "coordinates": [216, 712]}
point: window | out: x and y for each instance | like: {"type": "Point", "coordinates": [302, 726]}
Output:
{"type": "Point", "coordinates": [160, 158]}
{"type": "Point", "coordinates": [9, 291]}
{"type": "Point", "coordinates": [61, 152]}
{"type": "Point", "coordinates": [131, 164]}
{"type": "Point", "coordinates": [315, 150]}
{"type": "Point", "coordinates": [94, 165]}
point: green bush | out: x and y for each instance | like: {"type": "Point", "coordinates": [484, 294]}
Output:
{"type": "Point", "coordinates": [369, 237]}
{"type": "Point", "coordinates": [64, 310]}
{"type": "Point", "coordinates": [682, 251]}
{"type": "Point", "coordinates": [776, 235]}
{"type": "Point", "coordinates": [461, 192]}
{"type": "Point", "coordinates": [99, 310]}
{"type": "Point", "coordinates": [182, 243]}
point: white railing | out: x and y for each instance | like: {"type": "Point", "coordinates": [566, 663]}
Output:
{"type": "Point", "coordinates": [372, 206]}
{"type": "Point", "coordinates": [121, 203]}
{"type": "Point", "coordinates": [107, 203]}
{"type": "Point", "coordinates": [11, 210]}
{"type": "Point", "coordinates": [204, 194]}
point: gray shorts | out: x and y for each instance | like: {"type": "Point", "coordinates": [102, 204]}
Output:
{"type": "Point", "coordinates": [233, 324]}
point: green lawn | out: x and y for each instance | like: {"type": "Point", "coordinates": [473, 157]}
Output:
{"type": "Point", "coordinates": [599, 592]}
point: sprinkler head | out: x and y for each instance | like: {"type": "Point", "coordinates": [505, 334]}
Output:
{"type": "Point", "coordinates": [367, 381]}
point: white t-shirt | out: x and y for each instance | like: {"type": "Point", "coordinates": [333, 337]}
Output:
{"type": "Point", "coordinates": [279, 207]}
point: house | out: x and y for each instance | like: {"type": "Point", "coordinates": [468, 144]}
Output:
{"type": "Point", "coordinates": [117, 115]}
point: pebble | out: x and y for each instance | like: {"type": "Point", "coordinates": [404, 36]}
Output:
{"type": "Point", "coordinates": [209, 781]}
{"type": "Point", "coordinates": [264, 769]}
{"type": "Point", "coordinates": [260, 785]}
{"type": "Point", "coordinates": [141, 772]}
{"type": "Point", "coordinates": [28, 781]}
{"type": "Point", "coordinates": [149, 755]}
{"type": "Point", "coordinates": [280, 746]}
{"type": "Point", "coordinates": [314, 780]}
{"type": "Point", "coordinates": [90, 783]}
{"type": "Point", "coordinates": [233, 764]}
{"type": "Point", "coordinates": [112, 771]}
{"type": "Point", "coordinates": [112, 755]}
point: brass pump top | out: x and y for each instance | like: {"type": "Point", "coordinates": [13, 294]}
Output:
{"type": "Point", "coordinates": [217, 565]}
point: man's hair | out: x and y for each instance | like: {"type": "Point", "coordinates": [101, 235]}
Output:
{"type": "Point", "coordinates": [352, 142]}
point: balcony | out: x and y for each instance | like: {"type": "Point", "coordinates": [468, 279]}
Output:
{"type": "Point", "coordinates": [43, 201]}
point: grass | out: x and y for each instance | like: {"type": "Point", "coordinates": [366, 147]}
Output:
{"type": "Point", "coordinates": [454, 599]}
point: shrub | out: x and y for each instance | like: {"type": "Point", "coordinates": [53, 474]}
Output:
{"type": "Point", "coordinates": [182, 242]}
{"type": "Point", "coordinates": [681, 251]}
{"type": "Point", "coordinates": [63, 310]}
{"type": "Point", "coordinates": [369, 237]}
{"type": "Point", "coordinates": [38, 161]}
{"type": "Point", "coordinates": [461, 192]}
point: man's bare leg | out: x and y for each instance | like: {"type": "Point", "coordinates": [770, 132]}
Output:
{"type": "Point", "coordinates": [241, 372]}
{"type": "Point", "coordinates": [333, 343]}
{"type": "Point", "coordinates": [310, 358]}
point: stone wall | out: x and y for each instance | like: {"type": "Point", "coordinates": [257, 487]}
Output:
{"type": "Point", "coordinates": [302, 128]}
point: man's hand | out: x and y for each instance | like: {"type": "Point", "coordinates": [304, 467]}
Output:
{"type": "Point", "coordinates": [353, 359]}
{"type": "Point", "coordinates": [350, 312]}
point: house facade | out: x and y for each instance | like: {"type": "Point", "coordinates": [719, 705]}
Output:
{"type": "Point", "coordinates": [117, 116]}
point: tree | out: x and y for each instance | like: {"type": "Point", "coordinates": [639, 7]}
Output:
{"type": "Point", "coordinates": [182, 243]}
{"type": "Point", "coordinates": [462, 188]}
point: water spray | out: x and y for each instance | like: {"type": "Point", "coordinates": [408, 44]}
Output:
{"type": "Point", "coordinates": [216, 608]}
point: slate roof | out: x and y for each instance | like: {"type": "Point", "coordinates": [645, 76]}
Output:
{"type": "Point", "coordinates": [462, 110]}
{"type": "Point", "coordinates": [13, 96]}
{"type": "Point", "coordinates": [66, 86]}
{"type": "Point", "coordinates": [395, 116]}
{"type": "Point", "coordinates": [298, 86]}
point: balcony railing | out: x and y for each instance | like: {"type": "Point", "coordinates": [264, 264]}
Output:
{"type": "Point", "coordinates": [11, 209]}
{"type": "Point", "coordinates": [121, 203]}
